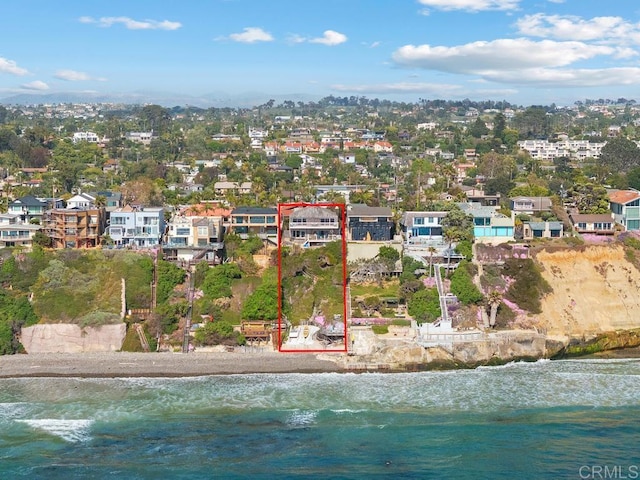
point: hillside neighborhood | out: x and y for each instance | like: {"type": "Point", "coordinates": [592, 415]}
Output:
{"type": "Point", "coordinates": [431, 192]}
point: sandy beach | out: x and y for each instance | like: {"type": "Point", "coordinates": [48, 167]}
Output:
{"type": "Point", "coordinates": [122, 364]}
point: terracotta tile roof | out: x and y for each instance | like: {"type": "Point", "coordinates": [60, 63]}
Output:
{"type": "Point", "coordinates": [623, 196]}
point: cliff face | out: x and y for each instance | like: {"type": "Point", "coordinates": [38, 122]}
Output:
{"type": "Point", "coordinates": [68, 338]}
{"type": "Point", "coordinates": [595, 290]}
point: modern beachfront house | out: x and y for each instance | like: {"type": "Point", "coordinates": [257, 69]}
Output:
{"type": "Point", "coordinates": [625, 206]}
{"type": "Point", "coordinates": [370, 224]}
{"type": "Point", "coordinates": [489, 226]}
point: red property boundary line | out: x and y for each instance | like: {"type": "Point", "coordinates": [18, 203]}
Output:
{"type": "Point", "coordinates": [343, 223]}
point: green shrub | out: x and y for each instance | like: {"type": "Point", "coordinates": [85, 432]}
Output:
{"type": "Point", "coordinates": [463, 287]}
{"type": "Point", "coordinates": [218, 333]}
{"type": "Point", "coordinates": [632, 242]}
{"type": "Point", "coordinates": [528, 287]}
{"type": "Point", "coordinates": [424, 305]}
{"type": "Point", "coordinates": [380, 329]}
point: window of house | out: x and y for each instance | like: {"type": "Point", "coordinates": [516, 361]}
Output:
{"type": "Point", "coordinates": [256, 219]}
{"type": "Point", "coordinates": [183, 231]}
{"type": "Point", "coordinates": [117, 220]}
{"type": "Point", "coordinates": [203, 231]}
{"type": "Point", "coordinates": [271, 219]}
{"type": "Point", "coordinates": [418, 221]}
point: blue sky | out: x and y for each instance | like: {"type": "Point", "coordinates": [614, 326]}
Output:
{"type": "Point", "coordinates": [523, 51]}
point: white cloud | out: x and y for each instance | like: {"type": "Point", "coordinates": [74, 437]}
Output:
{"type": "Point", "coordinates": [522, 61]}
{"type": "Point", "coordinates": [132, 24]}
{"type": "Point", "coordinates": [35, 85]}
{"type": "Point", "coordinates": [568, 78]}
{"type": "Point", "coordinates": [469, 5]}
{"type": "Point", "coordinates": [9, 66]}
{"type": "Point", "coordinates": [569, 27]}
{"type": "Point", "coordinates": [251, 35]}
{"type": "Point", "coordinates": [501, 54]}
{"type": "Point", "coordinates": [75, 76]}
{"type": "Point", "coordinates": [330, 38]}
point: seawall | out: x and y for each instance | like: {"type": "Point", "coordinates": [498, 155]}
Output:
{"type": "Point", "coordinates": [69, 338]}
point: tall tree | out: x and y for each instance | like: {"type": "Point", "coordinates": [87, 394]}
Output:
{"type": "Point", "coordinates": [620, 155]}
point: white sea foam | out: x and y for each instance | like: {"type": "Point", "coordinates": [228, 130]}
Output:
{"type": "Point", "coordinates": [70, 430]}
{"type": "Point", "coordinates": [302, 418]}
{"type": "Point", "coordinates": [10, 410]}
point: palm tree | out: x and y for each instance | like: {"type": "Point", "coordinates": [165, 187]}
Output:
{"type": "Point", "coordinates": [493, 300]}
{"type": "Point", "coordinates": [431, 251]}
{"type": "Point", "coordinates": [100, 201]}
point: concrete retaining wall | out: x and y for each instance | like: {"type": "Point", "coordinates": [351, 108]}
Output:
{"type": "Point", "coordinates": [69, 338]}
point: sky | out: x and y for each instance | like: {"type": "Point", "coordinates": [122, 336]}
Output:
{"type": "Point", "coordinates": [524, 51]}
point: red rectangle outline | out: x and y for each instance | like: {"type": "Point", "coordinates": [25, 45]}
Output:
{"type": "Point", "coordinates": [343, 224]}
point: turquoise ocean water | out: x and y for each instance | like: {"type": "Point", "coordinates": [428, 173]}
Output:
{"type": "Point", "coordinates": [524, 420]}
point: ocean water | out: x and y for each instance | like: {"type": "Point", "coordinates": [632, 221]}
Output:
{"type": "Point", "coordinates": [564, 419]}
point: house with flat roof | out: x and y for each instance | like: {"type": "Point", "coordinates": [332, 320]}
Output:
{"type": "Point", "coordinates": [625, 207]}
{"type": "Point", "coordinates": [489, 226]}
{"type": "Point", "coordinates": [75, 227]}
{"type": "Point", "coordinates": [530, 205]}
{"type": "Point", "coordinates": [366, 223]}
{"type": "Point", "coordinates": [14, 233]}
{"type": "Point", "coordinates": [595, 223]}
{"type": "Point", "coordinates": [419, 227]}
{"type": "Point", "coordinates": [258, 221]}
{"type": "Point", "coordinates": [136, 226]}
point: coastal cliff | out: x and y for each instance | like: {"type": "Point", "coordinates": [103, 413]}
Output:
{"type": "Point", "coordinates": [593, 307]}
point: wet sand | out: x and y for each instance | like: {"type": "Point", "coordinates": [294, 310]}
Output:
{"type": "Point", "coordinates": [122, 364]}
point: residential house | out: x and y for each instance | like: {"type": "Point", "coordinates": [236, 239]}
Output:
{"type": "Point", "coordinates": [28, 208]}
{"type": "Point", "coordinates": [421, 227]}
{"type": "Point", "coordinates": [140, 137]}
{"type": "Point", "coordinates": [85, 137]}
{"type": "Point", "coordinates": [314, 226]}
{"type": "Point", "coordinates": [489, 226]}
{"type": "Point", "coordinates": [258, 221]}
{"type": "Point", "coordinates": [625, 206]}
{"type": "Point", "coordinates": [366, 223]}
{"type": "Point", "coordinates": [239, 188]}
{"type": "Point", "coordinates": [113, 200]}
{"type": "Point", "coordinates": [194, 235]}
{"type": "Point", "coordinates": [75, 227]}
{"type": "Point", "coordinates": [14, 233]}
{"type": "Point", "coordinates": [530, 205]}
{"type": "Point", "coordinates": [81, 200]}
{"type": "Point", "coordinates": [598, 224]}
{"type": "Point", "coordinates": [532, 230]}
{"type": "Point", "coordinates": [383, 146]}
{"type": "Point", "coordinates": [137, 226]}
{"type": "Point", "coordinates": [475, 195]}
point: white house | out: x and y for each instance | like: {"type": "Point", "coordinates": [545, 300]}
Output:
{"type": "Point", "coordinates": [140, 227]}
{"type": "Point", "coordinates": [81, 201]}
{"type": "Point", "coordinates": [85, 137]}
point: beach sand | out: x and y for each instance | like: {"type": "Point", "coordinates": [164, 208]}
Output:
{"type": "Point", "coordinates": [123, 364]}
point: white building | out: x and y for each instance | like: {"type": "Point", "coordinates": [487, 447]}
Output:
{"type": "Point", "coordinates": [140, 227]}
{"type": "Point", "coordinates": [85, 137]}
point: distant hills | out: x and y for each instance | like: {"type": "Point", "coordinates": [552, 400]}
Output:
{"type": "Point", "coordinates": [244, 100]}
